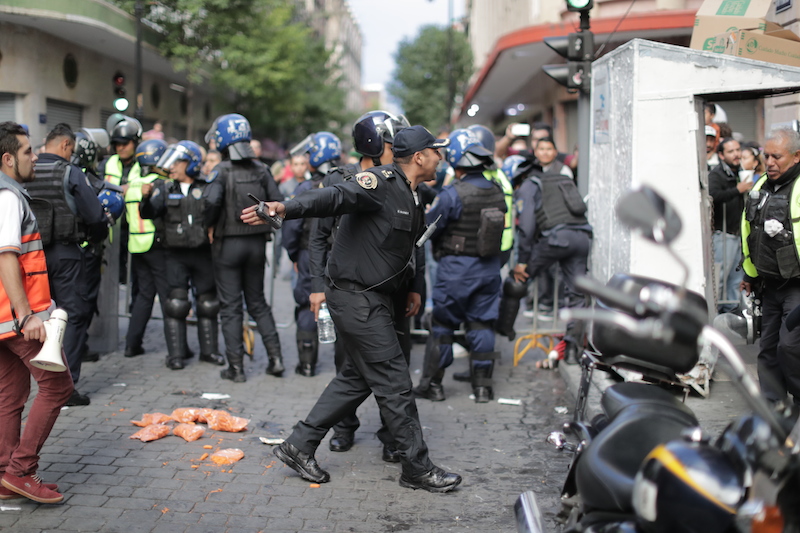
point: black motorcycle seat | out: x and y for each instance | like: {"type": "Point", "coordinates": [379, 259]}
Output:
{"type": "Point", "coordinates": [606, 469]}
{"type": "Point", "coordinates": [624, 396]}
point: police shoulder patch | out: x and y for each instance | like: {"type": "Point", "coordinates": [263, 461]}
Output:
{"type": "Point", "coordinates": [213, 175]}
{"type": "Point", "coordinates": [367, 180]}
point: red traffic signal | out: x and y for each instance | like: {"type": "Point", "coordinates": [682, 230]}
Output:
{"type": "Point", "coordinates": [119, 84]}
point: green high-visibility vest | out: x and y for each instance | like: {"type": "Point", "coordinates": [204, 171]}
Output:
{"type": "Point", "coordinates": [499, 177]}
{"type": "Point", "coordinates": [141, 231]}
{"type": "Point", "coordinates": [794, 215]}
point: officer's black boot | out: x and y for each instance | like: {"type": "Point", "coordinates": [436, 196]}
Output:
{"type": "Point", "coordinates": [463, 376]}
{"type": "Point", "coordinates": [175, 333]}
{"type": "Point", "coordinates": [275, 366]}
{"type": "Point", "coordinates": [430, 384]}
{"type": "Point", "coordinates": [235, 370]}
{"type": "Point", "coordinates": [434, 391]}
{"type": "Point", "coordinates": [307, 351]}
{"type": "Point", "coordinates": [482, 375]}
{"type": "Point", "coordinates": [513, 291]}
{"type": "Point", "coordinates": [208, 333]}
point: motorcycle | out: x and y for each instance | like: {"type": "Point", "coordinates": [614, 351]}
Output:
{"type": "Point", "coordinates": [644, 464]}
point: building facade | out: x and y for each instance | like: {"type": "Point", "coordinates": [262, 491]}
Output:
{"type": "Point", "coordinates": [59, 62]}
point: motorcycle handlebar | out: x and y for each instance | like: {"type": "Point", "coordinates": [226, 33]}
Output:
{"type": "Point", "coordinates": [612, 297]}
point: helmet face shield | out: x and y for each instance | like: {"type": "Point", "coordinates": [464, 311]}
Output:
{"type": "Point", "coordinates": [374, 129]}
{"type": "Point", "coordinates": [174, 153]}
{"type": "Point", "coordinates": [303, 146]}
{"type": "Point", "coordinates": [211, 134]}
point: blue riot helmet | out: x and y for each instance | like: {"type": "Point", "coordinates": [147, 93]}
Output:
{"type": "Point", "coordinates": [183, 151]}
{"type": "Point", "coordinates": [484, 134]}
{"type": "Point", "coordinates": [148, 154]}
{"type": "Point", "coordinates": [88, 144]}
{"type": "Point", "coordinates": [323, 148]}
{"type": "Point", "coordinates": [126, 129]}
{"type": "Point", "coordinates": [372, 130]}
{"type": "Point", "coordinates": [466, 151]}
{"type": "Point", "coordinates": [232, 133]}
{"type": "Point", "coordinates": [516, 168]}
{"type": "Point", "coordinates": [113, 202]}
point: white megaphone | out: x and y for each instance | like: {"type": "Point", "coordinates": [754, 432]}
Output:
{"type": "Point", "coordinates": [49, 357]}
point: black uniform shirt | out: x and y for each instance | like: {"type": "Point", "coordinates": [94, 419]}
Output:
{"type": "Point", "coordinates": [382, 220]}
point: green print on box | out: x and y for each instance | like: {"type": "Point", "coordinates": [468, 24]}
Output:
{"type": "Point", "coordinates": [733, 8]}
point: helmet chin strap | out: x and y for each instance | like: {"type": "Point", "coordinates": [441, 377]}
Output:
{"type": "Point", "coordinates": [376, 161]}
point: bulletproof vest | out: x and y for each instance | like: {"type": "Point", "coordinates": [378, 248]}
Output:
{"type": "Point", "coordinates": [561, 201]}
{"type": "Point", "coordinates": [242, 179]}
{"type": "Point", "coordinates": [183, 221]}
{"type": "Point", "coordinates": [316, 182]}
{"type": "Point", "coordinates": [777, 256]}
{"type": "Point", "coordinates": [478, 232]}
{"type": "Point", "coordinates": [54, 206]}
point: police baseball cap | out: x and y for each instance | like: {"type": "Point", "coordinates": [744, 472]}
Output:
{"type": "Point", "coordinates": [710, 131]}
{"type": "Point", "coordinates": [413, 139]}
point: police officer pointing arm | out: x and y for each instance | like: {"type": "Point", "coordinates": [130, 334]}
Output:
{"type": "Point", "coordinates": [372, 256]}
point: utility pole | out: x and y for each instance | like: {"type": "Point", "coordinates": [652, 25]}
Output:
{"type": "Point", "coordinates": [139, 111]}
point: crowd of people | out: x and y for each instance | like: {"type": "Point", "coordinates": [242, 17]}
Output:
{"type": "Point", "coordinates": [359, 231]}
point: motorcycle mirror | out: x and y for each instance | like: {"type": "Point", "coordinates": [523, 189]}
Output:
{"type": "Point", "coordinates": [648, 212]}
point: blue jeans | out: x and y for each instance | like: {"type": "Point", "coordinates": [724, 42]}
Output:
{"type": "Point", "coordinates": [728, 253]}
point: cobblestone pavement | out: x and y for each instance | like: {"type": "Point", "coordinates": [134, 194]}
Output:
{"type": "Point", "coordinates": [112, 483]}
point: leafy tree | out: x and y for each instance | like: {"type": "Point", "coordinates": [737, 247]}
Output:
{"type": "Point", "coordinates": [261, 56]}
{"type": "Point", "coordinates": [422, 82]}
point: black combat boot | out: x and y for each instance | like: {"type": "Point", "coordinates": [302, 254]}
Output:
{"type": "Point", "coordinates": [208, 333]}
{"type": "Point", "coordinates": [235, 370]}
{"type": "Point", "coordinates": [482, 375]}
{"type": "Point", "coordinates": [307, 352]}
{"type": "Point", "coordinates": [434, 391]}
{"type": "Point", "coordinates": [175, 333]}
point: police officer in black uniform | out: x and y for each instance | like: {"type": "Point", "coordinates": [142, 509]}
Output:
{"type": "Point", "coordinates": [372, 256]}
{"type": "Point", "coordinates": [239, 250]}
{"type": "Point", "coordinates": [323, 150]}
{"type": "Point", "coordinates": [373, 136]}
{"type": "Point", "coordinates": [551, 227]}
{"type": "Point", "coordinates": [179, 203]}
{"type": "Point", "coordinates": [68, 213]}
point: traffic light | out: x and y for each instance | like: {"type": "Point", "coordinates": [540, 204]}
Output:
{"type": "Point", "coordinates": [579, 5]}
{"type": "Point", "coordinates": [577, 49]}
{"type": "Point", "coordinates": [120, 102]}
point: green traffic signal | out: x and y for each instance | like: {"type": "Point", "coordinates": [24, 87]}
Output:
{"type": "Point", "coordinates": [580, 5]}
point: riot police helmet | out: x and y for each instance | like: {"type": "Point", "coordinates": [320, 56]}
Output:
{"type": "Point", "coordinates": [113, 202]}
{"type": "Point", "coordinates": [516, 167]}
{"type": "Point", "coordinates": [323, 149]}
{"type": "Point", "coordinates": [466, 151]}
{"type": "Point", "coordinates": [125, 130]}
{"type": "Point", "coordinates": [232, 134]}
{"type": "Point", "coordinates": [88, 144]}
{"type": "Point", "coordinates": [148, 153]}
{"type": "Point", "coordinates": [484, 134]}
{"type": "Point", "coordinates": [375, 128]}
{"type": "Point", "coordinates": [182, 151]}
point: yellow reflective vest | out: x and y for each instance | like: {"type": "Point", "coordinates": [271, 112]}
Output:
{"type": "Point", "coordinates": [499, 177]}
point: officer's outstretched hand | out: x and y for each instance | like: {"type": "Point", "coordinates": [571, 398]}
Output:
{"type": "Point", "coordinates": [250, 217]}
{"type": "Point", "coordinates": [316, 299]}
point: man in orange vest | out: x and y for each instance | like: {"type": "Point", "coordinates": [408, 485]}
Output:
{"type": "Point", "coordinates": [24, 304]}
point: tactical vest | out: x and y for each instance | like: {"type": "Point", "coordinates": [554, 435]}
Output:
{"type": "Point", "coordinates": [471, 234]}
{"type": "Point", "coordinates": [778, 256]}
{"type": "Point", "coordinates": [498, 176]}
{"type": "Point", "coordinates": [141, 231]}
{"type": "Point", "coordinates": [32, 266]}
{"type": "Point", "coordinates": [183, 221]}
{"type": "Point", "coordinates": [54, 205]}
{"type": "Point", "coordinates": [561, 201]}
{"type": "Point", "coordinates": [241, 179]}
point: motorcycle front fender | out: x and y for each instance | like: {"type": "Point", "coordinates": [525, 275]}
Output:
{"type": "Point", "coordinates": [529, 518]}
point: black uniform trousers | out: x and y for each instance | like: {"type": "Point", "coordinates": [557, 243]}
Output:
{"type": "Point", "coordinates": [570, 249]}
{"type": "Point", "coordinates": [66, 270]}
{"type": "Point", "coordinates": [191, 267]}
{"type": "Point", "coordinates": [402, 328]}
{"type": "Point", "coordinates": [151, 279]}
{"type": "Point", "coordinates": [779, 349]}
{"type": "Point", "coordinates": [239, 265]}
{"type": "Point", "coordinates": [375, 365]}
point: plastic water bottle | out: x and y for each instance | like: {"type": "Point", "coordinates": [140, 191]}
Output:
{"type": "Point", "coordinates": [325, 328]}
